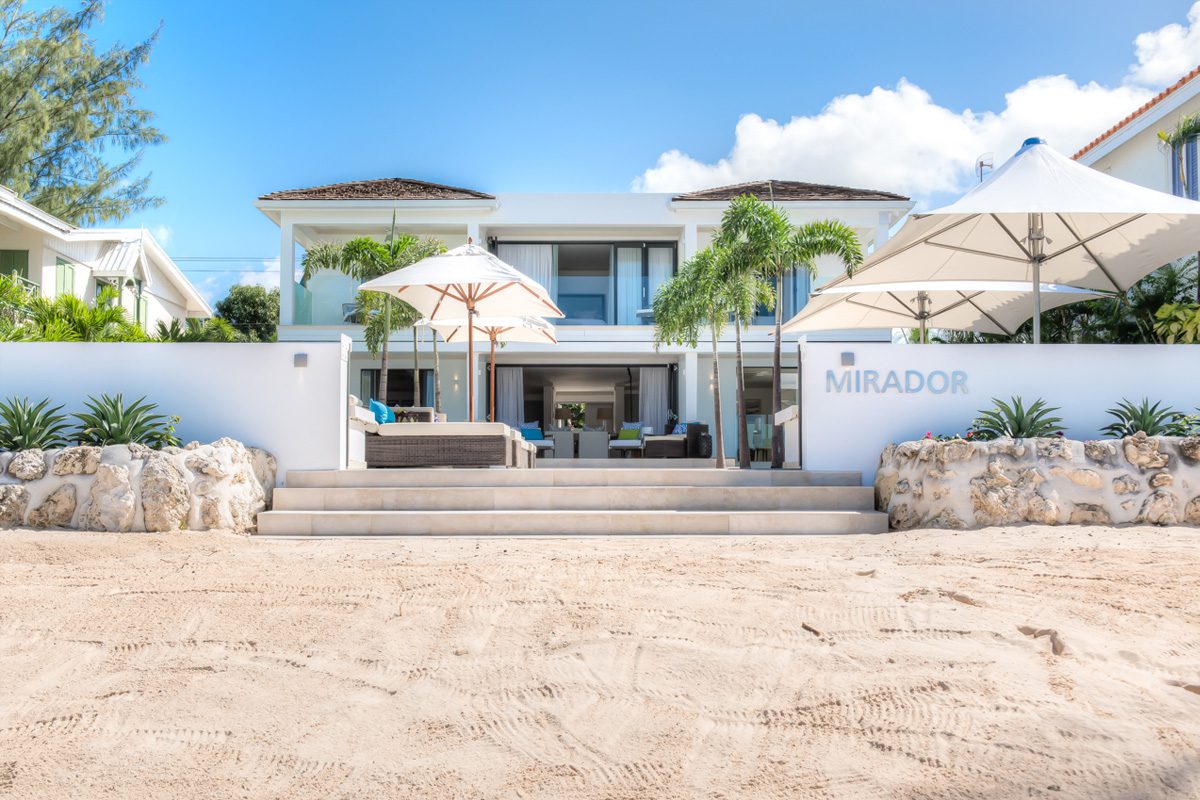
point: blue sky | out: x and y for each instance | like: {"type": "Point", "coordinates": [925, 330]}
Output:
{"type": "Point", "coordinates": [259, 96]}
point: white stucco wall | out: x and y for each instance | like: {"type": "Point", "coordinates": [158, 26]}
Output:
{"type": "Point", "coordinates": [849, 429]}
{"type": "Point", "coordinates": [251, 392]}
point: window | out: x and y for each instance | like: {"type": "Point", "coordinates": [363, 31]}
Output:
{"type": "Point", "coordinates": [585, 284]}
{"type": "Point", "coordinates": [1184, 178]}
{"type": "Point", "coordinates": [400, 387]}
{"type": "Point", "coordinates": [15, 262]}
{"type": "Point", "coordinates": [64, 281]}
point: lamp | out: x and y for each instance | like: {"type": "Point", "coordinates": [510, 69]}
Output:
{"type": "Point", "coordinates": [562, 413]}
{"type": "Point", "coordinates": [604, 416]}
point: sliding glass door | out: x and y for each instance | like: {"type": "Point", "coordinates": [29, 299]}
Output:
{"type": "Point", "coordinates": [641, 270]}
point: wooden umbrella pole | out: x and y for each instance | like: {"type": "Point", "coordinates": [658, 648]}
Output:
{"type": "Point", "coordinates": [470, 359]}
{"type": "Point", "coordinates": [492, 367]}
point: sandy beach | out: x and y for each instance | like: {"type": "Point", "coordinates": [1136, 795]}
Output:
{"type": "Point", "coordinates": [1022, 662]}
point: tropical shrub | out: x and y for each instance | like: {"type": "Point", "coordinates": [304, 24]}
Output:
{"type": "Point", "coordinates": [25, 425]}
{"type": "Point", "coordinates": [1153, 420]}
{"type": "Point", "coordinates": [109, 420]}
{"type": "Point", "coordinates": [1016, 421]}
{"type": "Point", "coordinates": [1178, 322]}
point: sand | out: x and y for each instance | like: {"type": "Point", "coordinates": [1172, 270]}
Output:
{"type": "Point", "coordinates": [1002, 663]}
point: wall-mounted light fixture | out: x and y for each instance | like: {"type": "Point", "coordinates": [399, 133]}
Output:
{"type": "Point", "coordinates": [300, 360]}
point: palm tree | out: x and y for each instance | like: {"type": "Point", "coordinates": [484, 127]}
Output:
{"type": "Point", "coordinates": [695, 299]}
{"type": "Point", "coordinates": [364, 258]}
{"type": "Point", "coordinates": [213, 329]}
{"type": "Point", "coordinates": [770, 247]}
{"type": "Point", "coordinates": [1186, 129]}
{"type": "Point", "coordinates": [67, 318]}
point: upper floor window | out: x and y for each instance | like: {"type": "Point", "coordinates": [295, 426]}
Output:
{"type": "Point", "coordinates": [15, 262]}
{"type": "Point", "coordinates": [1184, 174]}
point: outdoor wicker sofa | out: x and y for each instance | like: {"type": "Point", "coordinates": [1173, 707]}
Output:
{"type": "Point", "coordinates": [447, 444]}
{"type": "Point", "coordinates": [679, 445]}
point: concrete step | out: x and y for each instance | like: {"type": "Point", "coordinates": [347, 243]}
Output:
{"type": "Point", "coordinates": [629, 476]}
{"type": "Point", "coordinates": [581, 498]}
{"type": "Point", "coordinates": [567, 523]}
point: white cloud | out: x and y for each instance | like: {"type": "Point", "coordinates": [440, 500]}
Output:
{"type": "Point", "coordinates": [163, 234]}
{"type": "Point", "coordinates": [268, 276]}
{"type": "Point", "coordinates": [1167, 53]}
{"type": "Point", "coordinates": [900, 139]}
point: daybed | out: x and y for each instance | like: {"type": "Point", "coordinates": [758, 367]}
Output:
{"type": "Point", "coordinates": [447, 444]}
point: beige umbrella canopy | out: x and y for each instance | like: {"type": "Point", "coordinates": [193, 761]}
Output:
{"type": "Point", "coordinates": [1041, 217]}
{"type": "Point", "coordinates": [465, 283]}
{"type": "Point", "coordinates": [983, 306]}
{"type": "Point", "coordinates": [497, 329]}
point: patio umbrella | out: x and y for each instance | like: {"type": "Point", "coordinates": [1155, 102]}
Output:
{"type": "Point", "coordinates": [497, 329]}
{"type": "Point", "coordinates": [981, 306]}
{"type": "Point", "coordinates": [464, 283]}
{"type": "Point", "coordinates": [1041, 217]}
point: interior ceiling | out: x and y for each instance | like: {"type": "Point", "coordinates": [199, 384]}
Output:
{"type": "Point", "coordinates": [579, 378]}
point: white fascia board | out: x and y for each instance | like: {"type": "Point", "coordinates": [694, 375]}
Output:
{"type": "Point", "coordinates": [896, 209]}
{"type": "Point", "coordinates": [1141, 122]}
{"type": "Point", "coordinates": [153, 250]}
{"type": "Point", "coordinates": [32, 215]}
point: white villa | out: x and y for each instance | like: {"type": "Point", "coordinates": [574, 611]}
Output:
{"type": "Point", "coordinates": [53, 257]}
{"type": "Point", "coordinates": [601, 256]}
{"type": "Point", "coordinates": [1131, 150]}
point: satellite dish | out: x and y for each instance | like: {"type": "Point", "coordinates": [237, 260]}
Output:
{"type": "Point", "coordinates": [984, 164]}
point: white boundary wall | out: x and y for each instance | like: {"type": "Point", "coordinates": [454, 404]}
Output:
{"type": "Point", "coordinates": [849, 416]}
{"type": "Point", "coordinates": [251, 392]}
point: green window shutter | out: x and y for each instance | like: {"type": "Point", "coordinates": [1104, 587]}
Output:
{"type": "Point", "coordinates": [64, 282]}
{"type": "Point", "coordinates": [143, 311]}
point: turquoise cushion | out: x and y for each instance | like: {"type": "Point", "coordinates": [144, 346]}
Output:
{"type": "Point", "coordinates": [382, 413]}
{"type": "Point", "coordinates": [532, 434]}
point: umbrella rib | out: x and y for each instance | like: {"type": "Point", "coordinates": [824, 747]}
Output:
{"type": "Point", "coordinates": [1083, 242]}
{"type": "Point", "coordinates": [907, 308]}
{"type": "Point", "coordinates": [1088, 250]}
{"type": "Point", "coordinates": [1012, 236]}
{"type": "Point", "coordinates": [992, 319]}
{"type": "Point", "coordinates": [965, 300]}
{"type": "Point", "coordinates": [974, 252]}
{"type": "Point", "coordinates": [906, 248]}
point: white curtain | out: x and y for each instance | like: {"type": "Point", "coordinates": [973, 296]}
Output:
{"type": "Point", "coordinates": [652, 398]}
{"type": "Point", "coordinates": [662, 263]}
{"type": "Point", "coordinates": [629, 285]}
{"type": "Point", "coordinates": [510, 395]}
{"type": "Point", "coordinates": [534, 260]}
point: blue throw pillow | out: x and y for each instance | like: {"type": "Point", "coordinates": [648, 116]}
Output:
{"type": "Point", "coordinates": [382, 413]}
{"type": "Point", "coordinates": [680, 429]}
{"type": "Point", "coordinates": [532, 434]}
{"type": "Point", "coordinates": [631, 425]}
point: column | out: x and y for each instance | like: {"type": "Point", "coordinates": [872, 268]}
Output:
{"type": "Point", "coordinates": [473, 234]}
{"type": "Point", "coordinates": [882, 229]}
{"type": "Point", "coordinates": [689, 242]}
{"type": "Point", "coordinates": [689, 368]}
{"type": "Point", "coordinates": [287, 271]}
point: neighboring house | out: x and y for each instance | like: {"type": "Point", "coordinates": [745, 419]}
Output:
{"type": "Point", "coordinates": [1131, 150]}
{"type": "Point", "coordinates": [601, 256]}
{"type": "Point", "coordinates": [54, 257]}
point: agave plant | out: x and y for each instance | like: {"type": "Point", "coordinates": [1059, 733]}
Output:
{"type": "Point", "coordinates": [109, 420]}
{"type": "Point", "coordinates": [1153, 420]}
{"type": "Point", "coordinates": [1016, 421]}
{"type": "Point", "coordinates": [25, 425]}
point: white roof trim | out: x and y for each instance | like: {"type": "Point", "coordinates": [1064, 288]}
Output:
{"type": "Point", "coordinates": [1143, 121]}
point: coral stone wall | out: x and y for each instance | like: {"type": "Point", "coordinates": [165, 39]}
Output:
{"type": "Point", "coordinates": [134, 488]}
{"type": "Point", "coordinates": [1055, 481]}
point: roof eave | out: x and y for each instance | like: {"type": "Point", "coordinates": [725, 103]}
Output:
{"type": "Point", "coordinates": [889, 205]}
{"type": "Point", "coordinates": [1125, 132]}
{"type": "Point", "coordinates": [475, 204]}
